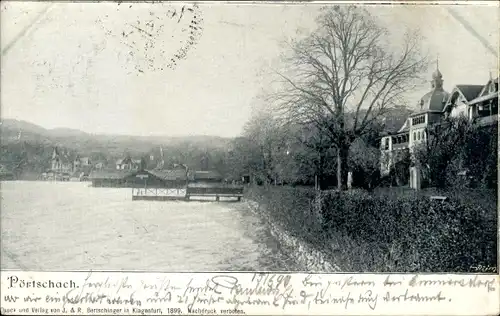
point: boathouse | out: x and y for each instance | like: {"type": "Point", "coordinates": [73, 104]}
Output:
{"type": "Point", "coordinates": [138, 178]}
{"type": "Point", "coordinates": [206, 177]}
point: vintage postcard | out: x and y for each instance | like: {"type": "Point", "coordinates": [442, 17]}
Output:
{"type": "Point", "coordinates": [251, 158]}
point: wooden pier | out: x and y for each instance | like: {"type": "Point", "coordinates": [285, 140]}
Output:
{"type": "Point", "coordinates": [215, 192]}
{"type": "Point", "coordinates": [187, 193]}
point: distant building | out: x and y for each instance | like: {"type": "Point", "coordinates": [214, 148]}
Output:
{"type": "Point", "coordinates": [61, 162]}
{"type": "Point", "coordinates": [82, 164]}
{"type": "Point", "coordinates": [475, 102]}
{"type": "Point", "coordinates": [156, 159]}
{"type": "Point", "coordinates": [139, 178]}
{"type": "Point", "coordinates": [128, 163]}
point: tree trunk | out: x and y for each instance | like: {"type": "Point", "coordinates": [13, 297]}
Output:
{"type": "Point", "coordinates": [342, 166]}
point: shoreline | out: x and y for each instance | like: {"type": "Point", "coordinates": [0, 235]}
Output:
{"type": "Point", "coordinates": [308, 258]}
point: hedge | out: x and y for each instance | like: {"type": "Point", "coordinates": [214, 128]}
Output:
{"type": "Point", "coordinates": [364, 232]}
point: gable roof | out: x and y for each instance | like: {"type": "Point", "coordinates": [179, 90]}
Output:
{"type": "Point", "coordinates": [485, 94]}
{"type": "Point", "coordinates": [485, 89]}
{"type": "Point", "coordinates": [405, 127]}
{"type": "Point", "coordinates": [470, 91]}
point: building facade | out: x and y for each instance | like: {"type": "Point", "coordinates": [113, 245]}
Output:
{"type": "Point", "coordinates": [60, 162]}
{"type": "Point", "coordinates": [128, 163]}
{"type": "Point", "coordinates": [475, 102]}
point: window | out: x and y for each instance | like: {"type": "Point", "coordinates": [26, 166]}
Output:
{"type": "Point", "coordinates": [386, 145]}
{"type": "Point", "coordinates": [418, 120]}
{"type": "Point", "coordinates": [418, 135]}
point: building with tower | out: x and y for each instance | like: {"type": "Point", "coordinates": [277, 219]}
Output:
{"type": "Point", "coordinates": [475, 102]}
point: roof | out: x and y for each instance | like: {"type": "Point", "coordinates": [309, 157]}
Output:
{"type": "Point", "coordinates": [485, 89]}
{"type": "Point", "coordinates": [485, 94]}
{"type": "Point", "coordinates": [405, 127]}
{"type": "Point", "coordinates": [124, 160]}
{"type": "Point", "coordinates": [62, 158]}
{"type": "Point", "coordinates": [484, 98]}
{"type": "Point", "coordinates": [169, 175]}
{"type": "Point", "coordinates": [470, 91]}
{"type": "Point", "coordinates": [433, 101]}
{"type": "Point", "coordinates": [207, 175]}
{"type": "Point", "coordinates": [110, 174]}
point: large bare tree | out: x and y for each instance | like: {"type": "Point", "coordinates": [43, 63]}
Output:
{"type": "Point", "coordinates": [347, 73]}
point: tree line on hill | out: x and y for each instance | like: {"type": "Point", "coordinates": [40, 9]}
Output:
{"type": "Point", "coordinates": [26, 149]}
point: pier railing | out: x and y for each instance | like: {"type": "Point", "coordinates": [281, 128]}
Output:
{"type": "Point", "coordinates": [181, 192]}
{"type": "Point", "coordinates": [186, 193]}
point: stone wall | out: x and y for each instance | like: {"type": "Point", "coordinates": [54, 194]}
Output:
{"type": "Point", "coordinates": [305, 256]}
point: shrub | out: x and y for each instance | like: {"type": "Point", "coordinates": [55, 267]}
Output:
{"type": "Point", "coordinates": [379, 233]}
{"type": "Point", "coordinates": [457, 146]}
{"type": "Point", "coordinates": [429, 236]}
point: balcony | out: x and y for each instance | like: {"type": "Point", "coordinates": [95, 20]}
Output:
{"type": "Point", "coordinates": [400, 141]}
{"type": "Point", "coordinates": [487, 120]}
{"type": "Point", "coordinates": [398, 146]}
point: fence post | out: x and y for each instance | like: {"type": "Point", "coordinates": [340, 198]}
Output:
{"type": "Point", "coordinates": [317, 206]}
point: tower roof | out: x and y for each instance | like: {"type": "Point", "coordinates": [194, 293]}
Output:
{"type": "Point", "coordinates": [434, 100]}
{"type": "Point", "coordinates": [437, 74]}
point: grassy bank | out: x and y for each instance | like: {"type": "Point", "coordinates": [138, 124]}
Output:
{"type": "Point", "coordinates": [388, 231]}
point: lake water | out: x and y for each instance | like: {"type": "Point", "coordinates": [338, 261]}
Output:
{"type": "Point", "coordinates": [72, 226]}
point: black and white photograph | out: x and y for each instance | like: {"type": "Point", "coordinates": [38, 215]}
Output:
{"type": "Point", "coordinates": [195, 137]}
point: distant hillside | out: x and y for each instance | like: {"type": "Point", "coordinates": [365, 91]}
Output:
{"type": "Point", "coordinates": [26, 148]}
{"type": "Point", "coordinates": [12, 131]}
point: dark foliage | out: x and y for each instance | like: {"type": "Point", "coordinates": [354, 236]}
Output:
{"type": "Point", "coordinates": [377, 233]}
{"type": "Point", "coordinates": [459, 153]}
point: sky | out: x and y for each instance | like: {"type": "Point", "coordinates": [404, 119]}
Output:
{"type": "Point", "coordinates": [107, 68]}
